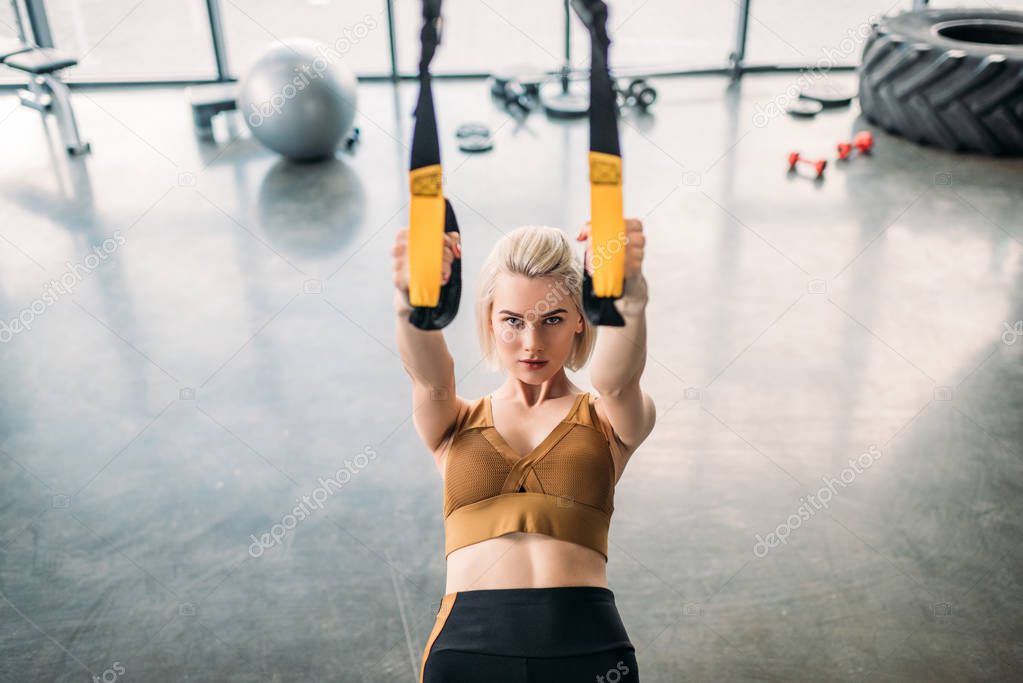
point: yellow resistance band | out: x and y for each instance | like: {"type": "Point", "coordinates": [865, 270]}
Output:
{"type": "Point", "coordinates": [607, 224]}
{"type": "Point", "coordinates": [426, 235]}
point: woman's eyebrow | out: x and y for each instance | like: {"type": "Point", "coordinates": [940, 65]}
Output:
{"type": "Point", "coordinates": [547, 315]}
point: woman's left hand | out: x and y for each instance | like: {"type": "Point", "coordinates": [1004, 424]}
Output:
{"type": "Point", "coordinates": [634, 243]}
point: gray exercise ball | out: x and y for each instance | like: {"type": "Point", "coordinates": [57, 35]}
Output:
{"type": "Point", "coordinates": [299, 99]}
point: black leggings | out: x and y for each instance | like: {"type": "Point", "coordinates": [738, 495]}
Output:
{"type": "Point", "coordinates": [610, 666]}
{"type": "Point", "coordinates": [570, 634]}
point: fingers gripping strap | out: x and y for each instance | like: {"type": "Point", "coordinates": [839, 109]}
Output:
{"type": "Point", "coordinates": [426, 236]}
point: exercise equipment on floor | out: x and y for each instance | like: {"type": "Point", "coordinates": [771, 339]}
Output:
{"type": "Point", "coordinates": [828, 95]}
{"type": "Point", "coordinates": [209, 101]}
{"type": "Point", "coordinates": [293, 100]}
{"type": "Point", "coordinates": [557, 96]}
{"type": "Point", "coordinates": [950, 78]}
{"type": "Point", "coordinates": [818, 96]}
{"type": "Point", "coordinates": [862, 143]}
{"type": "Point", "coordinates": [298, 102]}
{"type": "Point", "coordinates": [561, 100]}
{"type": "Point", "coordinates": [474, 137]}
{"type": "Point", "coordinates": [206, 102]}
{"type": "Point", "coordinates": [638, 93]}
{"type": "Point", "coordinates": [818, 165]}
{"type": "Point", "coordinates": [806, 108]}
{"type": "Point", "coordinates": [46, 92]}
{"type": "Point", "coordinates": [517, 88]}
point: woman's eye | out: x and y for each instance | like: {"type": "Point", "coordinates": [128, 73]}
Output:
{"type": "Point", "coordinates": [517, 322]}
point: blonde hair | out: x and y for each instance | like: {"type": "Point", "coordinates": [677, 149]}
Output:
{"type": "Point", "coordinates": [535, 251]}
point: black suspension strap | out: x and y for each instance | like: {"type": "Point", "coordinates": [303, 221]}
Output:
{"type": "Point", "coordinates": [430, 213]}
{"type": "Point", "coordinates": [607, 218]}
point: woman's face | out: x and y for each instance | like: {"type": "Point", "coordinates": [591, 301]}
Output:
{"type": "Point", "coordinates": [533, 319]}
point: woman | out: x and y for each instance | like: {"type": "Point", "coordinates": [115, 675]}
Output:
{"type": "Point", "coordinates": [529, 471]}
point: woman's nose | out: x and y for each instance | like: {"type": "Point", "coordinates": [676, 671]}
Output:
{"type": "Point", "coordinates": [532, 339]}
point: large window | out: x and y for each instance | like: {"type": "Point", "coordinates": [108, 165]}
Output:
{"type": "Point", "coordinates": [665, 34]}
{"type": "Point", "coordinates": [9, 31]}
{"type": "Point", "coordinates": [1016, 5]}
{"type": "Point", "coordinates": [492, 34]}
{"type": "Point", "coordinates": [8, 22]}
{"type": "Point", "coordinates": [813, 33]}
{"type": "Point", "coordinates": [485, 35]}
{"type": "Point", "coordinates": [158, 40]}
{"type": "Point", "coordinates": [133, 39]}
{"type": "Point", "coordinates": [355, 29]}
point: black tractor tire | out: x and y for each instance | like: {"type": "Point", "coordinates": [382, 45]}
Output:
{"type": "Point", "coordinates": [947, 78]}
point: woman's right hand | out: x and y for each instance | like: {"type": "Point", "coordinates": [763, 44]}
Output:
{"type": "Point", "coordinates": [452, 250]}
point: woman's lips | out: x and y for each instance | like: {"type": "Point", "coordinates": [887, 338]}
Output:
{"type": "Point", "coordinates": [533, 365]}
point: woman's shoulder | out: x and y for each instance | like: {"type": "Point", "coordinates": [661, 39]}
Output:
{"type": "Point", "coordinates": [605, 426]}
{"type": "Point", "coordinates": [471, 413]}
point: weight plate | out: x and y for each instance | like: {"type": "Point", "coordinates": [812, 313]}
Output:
{"type": "Point", "coordinates": [472, 128]}
{"type": "Point", "coordinates": [828, 94]}
{"type": "Point", "coordinates": [526, 74]}
{"type": "Point", "coordinates": [804, 108]}
{"type": "Point", "coordinates": [636, 87]}
{"type": "Point", "coordinates": [476, 143]}
{"type": "Point", "coordinates": [559, 104]}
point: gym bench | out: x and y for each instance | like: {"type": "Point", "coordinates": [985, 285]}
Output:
{"type": "Point", "coordinates": [46, 92]}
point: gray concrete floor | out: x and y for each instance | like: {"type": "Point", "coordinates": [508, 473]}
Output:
{"type": "Point", "coordinates": [236, 347]}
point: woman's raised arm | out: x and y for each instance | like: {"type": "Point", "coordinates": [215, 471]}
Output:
{"type": "Point", "coordinates": [620, 353]}
{"type": "Point", "coordinates": [424, 353]}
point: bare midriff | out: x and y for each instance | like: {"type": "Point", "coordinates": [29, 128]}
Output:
{"type": "Point", "coordinates": [524, 560]}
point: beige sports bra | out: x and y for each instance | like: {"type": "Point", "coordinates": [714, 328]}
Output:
{"type": "Point", "coordinates": [563, 488]}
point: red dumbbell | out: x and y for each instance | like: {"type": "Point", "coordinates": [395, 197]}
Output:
{"type": "Point", "coordinates": [863, 143]}
{"type": "Point", "coordinates": [818, 165]}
